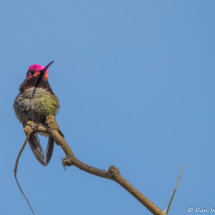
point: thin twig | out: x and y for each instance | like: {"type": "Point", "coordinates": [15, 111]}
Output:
{"type": "Point", "coordinates": [16, 165]}
{"type": "Point", "coordinates": [174, 190]}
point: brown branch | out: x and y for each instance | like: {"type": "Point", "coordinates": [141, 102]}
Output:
{"type": "Point", "coordinates": [28, 132]}
{"type": "Point", "coordinates": [112, 173]}
{"type": "Point", "coordinates": [167, 211]}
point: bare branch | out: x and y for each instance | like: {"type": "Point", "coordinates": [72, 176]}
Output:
{"type": "Point", "coordinates": [112, 173]}
{"type": "Point", "coordinates": [167, 211]}
{"type": "Point", "coordinates": [28, 132]}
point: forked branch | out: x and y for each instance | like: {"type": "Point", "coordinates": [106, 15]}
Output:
{"type": "Point", "coordinates": [113, 173]}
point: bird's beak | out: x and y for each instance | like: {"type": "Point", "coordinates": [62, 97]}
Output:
{"type": "Point", "coordinates": [42, 72]}
{"type": "Point", "coordinates": [48, 66]}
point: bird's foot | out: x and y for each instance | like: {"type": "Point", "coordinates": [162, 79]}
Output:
{"type": "Point", "coordinates": [31, 126]}
{"type": "Point", "coordinates": [51, 122]}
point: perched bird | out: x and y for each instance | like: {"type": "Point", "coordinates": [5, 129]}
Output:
{"type": "Point", "coordinates": [34, 102]}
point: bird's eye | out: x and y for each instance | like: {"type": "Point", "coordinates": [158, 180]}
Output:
{"type": "Point", "coordinates": [30, 72]}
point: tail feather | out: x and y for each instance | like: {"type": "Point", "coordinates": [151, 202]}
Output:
{"type": "Point", "coordinates": [60, 132]}
{"type": "Point", "coordinates": [36, 148]}
{"type": "Point", "coordinates": [49, 149]}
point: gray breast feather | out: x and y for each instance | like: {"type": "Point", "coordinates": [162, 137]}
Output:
{"type": "Point", "coordinates": [35, 108]}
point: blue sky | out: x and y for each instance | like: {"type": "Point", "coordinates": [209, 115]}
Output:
{"type": "Point", "coordinates": [135, 81]}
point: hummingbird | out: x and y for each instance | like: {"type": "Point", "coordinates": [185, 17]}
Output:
{"type": "Point", "coordinates": [34, 102]}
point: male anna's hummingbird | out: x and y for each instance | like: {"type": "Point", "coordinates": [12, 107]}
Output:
{"type": "Point", "coordinates": [34, 102]}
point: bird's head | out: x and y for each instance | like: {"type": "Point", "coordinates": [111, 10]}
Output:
{"type": "Point", "coordinates": [38, 70]}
